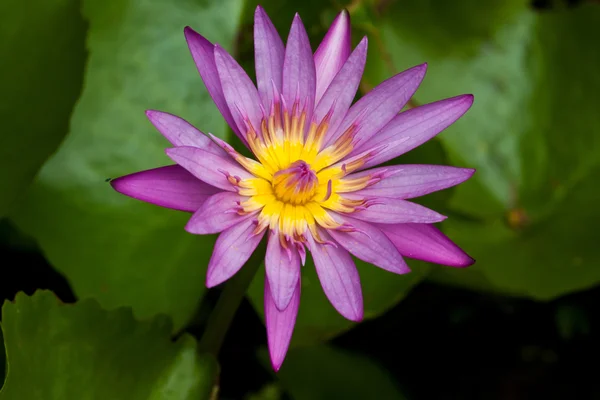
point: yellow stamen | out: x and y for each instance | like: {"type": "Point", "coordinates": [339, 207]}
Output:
{"type": "Point", "coordinates": [297, 182]}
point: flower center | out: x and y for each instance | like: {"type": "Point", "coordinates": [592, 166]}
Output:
{"type": "Point", "coordinates": [296, 184]}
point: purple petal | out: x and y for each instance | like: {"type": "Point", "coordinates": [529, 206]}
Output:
{"type": "Point", "coordinates": [268, 55]}
{"type": "Point", "coordinates": [343, 88]}
{"type": "Point", "coordinates": [233, 248]}
{"type": "Point", "coordinates": [280, 325]}
{"type": "Point", "coordinates": [426, 242]}
{"type": "Point", "coordinates": [414, 127]}
{"type": "Point", "coordinates": [208, 167]}
{"type": "Point", "coordinates": [240, 93]}
{"type": "Point", "coordinates": [387, 210]}
{"type": "Point", "coordinates": [408, 181]}
{"type": "Point", "coordinates": [374, 110]}
{"type": "Point", "coordinates": [369, 244]}
{"type": "Point", "coordinates": [181, 133]}
{"type": "Point", "coordinates": [218, 213]}
{"type": "Point", "coordinates": [283, 270]}
{"type": "Point", "coordinates": [339, 277]}
{"type": "Point", "coordinates": [203, 54]}
{"type": "Point", "coordinates": [299, 69]}
{"type": "Point", "coordinates": [333, 52]}
{"type": "Point", "coordinates": [170, 187]}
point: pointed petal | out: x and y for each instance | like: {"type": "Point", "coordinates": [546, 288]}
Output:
{"type": "Point", "coordinates": [408, 181]}
{"type": "Point", "coordinates": [233, 248]}
{"type": "Point", "coordinates": [369, 244]}
{"type": "Point", "coordinates": [218, 213]}
{"type": "Point", "coordinates": [426, 242]}
{"type": "Point", "coordinates": [342, 90]}
{"type": "Point", "coordinates": [387, 210]}
{"type": "Point", "coordinates": [299, 69]}
{"type": "Point", "coordinates": [414, 127]}
{"type": "Point", "coordinates": [268, 55]}
{"type": "Point", "coordinates": [374, 110]}
{"type": "Point", "coordinates": [171, 187]}
{"type": "Point", "coordinates": [203, 54]}
{"type": "Point", "coordinates": [339, 277]}
{"type": "Point", "coordinates": [181, 133]}
{"type": "Point", "coordinates": [240, 93]}
{"type": "Point", "coordinates": [208, 167]}
{"type": "Point", "coordinates": [283, 270]}
{"type": "Point", "coordinates": [280, 325]}
{"type": "Point", "coordinates": [333, 52]}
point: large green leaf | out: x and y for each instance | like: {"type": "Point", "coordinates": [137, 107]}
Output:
{"type": "Point", "coordinates": [530, 211]}
{"type": "Point", "coordinates": [60, 352]}
{"type": "Point", "coordinates": [323, 372]}
{"type": "Point", "coordinates": [110, 247]}
{"type": "Point", "coordinates": [42, 64]}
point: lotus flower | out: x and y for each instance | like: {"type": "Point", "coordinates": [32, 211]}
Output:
{"type": "Point", "coordinates": [311, 184]}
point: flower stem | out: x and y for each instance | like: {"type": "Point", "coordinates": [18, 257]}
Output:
{"type": "Point", "coordinates": [231, 297]}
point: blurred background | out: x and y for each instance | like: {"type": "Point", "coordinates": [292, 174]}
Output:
{"type": "Point", "coordinates": [522, 323]}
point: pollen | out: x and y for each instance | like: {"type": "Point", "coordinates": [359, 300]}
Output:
{"type": "Point", "coordinates": [295, 185]}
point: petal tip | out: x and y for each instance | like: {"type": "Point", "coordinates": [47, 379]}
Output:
{"type": "Point", "coordinates": [297, 20]}
{"type": "Point", "coordinates": [343, 19]}
{"type": "Point", "coordinates": [152, 115]}
{"type": "Point", "coordinates": [118, 184]}
{"type": "Point", "coordinates": [405, 270]}
{"type": "Point", "coordinates": [466, 261]}
{"type": "Point", "coordinates": [464, 100]}
{"type": "Point", "coordinates": [354, 313]}
{"type": "Point", "coordinates": [276, 362]}
{"type": "Point", "coordinates": [212, 281]}
{"type": "Point", "coordinates": [190, 34]}
{"type": "Point", "coordinates": [189, 228]}
{"type": "Point", "coordinates": [357, 317]}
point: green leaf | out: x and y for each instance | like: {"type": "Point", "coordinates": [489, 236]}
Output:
{"type": "Point", "coordinates": [529, 214]}
{"type": "Point", "coordinates": [271, 391]}
{"type": "Point", "coordinates": [323, 372]}
{"type": "Point", "coordinates": [112, 248]}
{"type": "Point", "coordinates": [42, 69]}
{"type": "Point", "coordinates": [317, 319]}
{"type": "Point", "coordinates": [80, 351]}
{"type": "Point", "coordinates": [2, 361]}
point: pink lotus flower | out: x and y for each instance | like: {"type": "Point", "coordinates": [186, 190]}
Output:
{"type": "Point", "coordinates": [311, 184]}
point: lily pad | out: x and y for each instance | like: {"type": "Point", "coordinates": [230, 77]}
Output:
{"type": "Point", "coordinates": [529, 214]}
{"type": "Point", "coordinates": [43, 53]}
{"type": "Point", "coordinates": [57, 352]}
